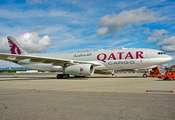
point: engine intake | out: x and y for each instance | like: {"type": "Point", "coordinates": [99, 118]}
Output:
{"type": "Point", "coordinates": [80, 70]}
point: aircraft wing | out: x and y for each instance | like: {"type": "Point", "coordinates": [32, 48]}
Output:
{"type": "Point", "coordinates": [47, 60]}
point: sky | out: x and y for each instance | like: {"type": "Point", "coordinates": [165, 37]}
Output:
{"type": "Point", "coordinates": [70, 26]}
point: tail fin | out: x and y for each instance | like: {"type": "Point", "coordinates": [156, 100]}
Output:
{"type": "Point", "coordinates": [15, 47]}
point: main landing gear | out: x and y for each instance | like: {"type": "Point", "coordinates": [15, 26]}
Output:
{"type": "Point", "coordinates": [63, 76]}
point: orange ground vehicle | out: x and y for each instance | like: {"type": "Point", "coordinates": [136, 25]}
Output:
{"type": "Point", "coordinates": [155, 72]}
{"type": "Point", "coordinates": [168, 76]}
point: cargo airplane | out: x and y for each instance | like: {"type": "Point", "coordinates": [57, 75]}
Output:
{"type": "Point", "coordinates": [86, 63]}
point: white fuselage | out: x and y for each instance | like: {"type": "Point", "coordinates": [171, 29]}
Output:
{"type": "Point", "coordinates": [107, 60]}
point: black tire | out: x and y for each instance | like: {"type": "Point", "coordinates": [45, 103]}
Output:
{"type": "Point", "coordinates": [64, 77]}
{"type": "Point", "coordinates": [58, 76]}
{"type": "Point", "coordinates": [145, 75]}
{"type": "Point", "coordinates": [67, 76]}
{"type": "Point", "coordinates": [171, 78]}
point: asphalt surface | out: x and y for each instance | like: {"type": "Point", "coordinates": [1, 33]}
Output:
{"type": "Point", "coordinates": [125, 97]}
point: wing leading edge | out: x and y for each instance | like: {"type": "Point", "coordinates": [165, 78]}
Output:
{"type": "Point", "coordinates": [46, 60]}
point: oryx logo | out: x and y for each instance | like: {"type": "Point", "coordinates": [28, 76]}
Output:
{"type": "Point", "coordinates": [14, 48]}
{"type": "Point", "coordinates": [81, 69]}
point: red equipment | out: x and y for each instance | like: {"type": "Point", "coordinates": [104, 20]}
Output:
{"type": "Point", "coordinates": [155, 72]}
{"type": "Point", "coordinates": [168, 76]}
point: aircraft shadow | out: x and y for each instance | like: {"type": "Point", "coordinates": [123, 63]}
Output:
{"type": "Point", "coordinates": [116, 77]}
{"type": "Point", "coordinates": [21, 78]}
{"type": "Point", "coordinates": [25, 78]}
{"type": "Point", "coordinates": [164, 80]}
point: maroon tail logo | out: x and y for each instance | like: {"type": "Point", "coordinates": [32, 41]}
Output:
{"type": "Point", "coordinates": [81, 69]}
{"type": "Point", "coordinates": [14, 48]}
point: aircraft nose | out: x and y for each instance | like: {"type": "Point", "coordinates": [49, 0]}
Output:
{"type": "Point", "coordinates": [169, 58]}
{"type": "Point", "coordinates": [166, 59]}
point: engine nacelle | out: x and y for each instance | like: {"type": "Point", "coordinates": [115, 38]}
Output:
{"type": "Point", "coordinates": [80, 70]}
{"type": "Point", "coordinates": [57, 68]}
{"type": "Point", "coordinates": [103, 71]}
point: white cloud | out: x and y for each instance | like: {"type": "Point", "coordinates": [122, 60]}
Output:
{"type": "Point", "coordinates": [136, 17]}
{"type": "Point", "coordinates": [169, 48]}
{"type": "Point", "coordinates": [31, 42]}
{"type": "Point", "coordinates": [167, 41]}
{"type": "Point", "coordinates": [157, 35]}
{"type": "Point", "coordinates": [4, 47]}
{"type": "Point", "coordinates": [102, 31]}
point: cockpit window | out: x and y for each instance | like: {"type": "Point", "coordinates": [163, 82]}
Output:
{"type": "Point", "coordinates": [161, 53]}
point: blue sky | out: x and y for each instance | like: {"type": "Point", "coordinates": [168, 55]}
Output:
{"type": "Point", "coordinates": [64, 26]}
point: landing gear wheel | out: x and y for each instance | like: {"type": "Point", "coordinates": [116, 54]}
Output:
{"type": "Point", "coordinates": [63, 76]}
{"type": "Point", "coordinates": [58, 76]}
{"type": "Point", "coordinates": [67, 76]}
{"type": "Point", "coordinates": [171, 78]}
{"type": "Point", "coordinates": [145, 75]}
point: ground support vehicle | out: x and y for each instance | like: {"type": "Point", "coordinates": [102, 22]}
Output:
{"type": "Point", "coordinates": [168, 76]}
{"type": "Point", "coordinates": [154, 72]}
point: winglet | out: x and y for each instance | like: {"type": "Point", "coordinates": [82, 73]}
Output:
{"type": "Point", "coordinates": [15, 47]}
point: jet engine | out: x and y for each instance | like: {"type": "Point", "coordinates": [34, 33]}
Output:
{"type": "Point", "coordinates": [103, 71]}
{"type": "Point", "coordinates": [80, 70]}
{"type": "Point", "coordinates": [57, 68]}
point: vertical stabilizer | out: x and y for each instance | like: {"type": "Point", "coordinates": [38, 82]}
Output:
{"type": "Point", "coordinates": [15, 47]}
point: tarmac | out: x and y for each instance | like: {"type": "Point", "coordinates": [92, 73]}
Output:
{"type": "Point", "coordinates": [128, 96]}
